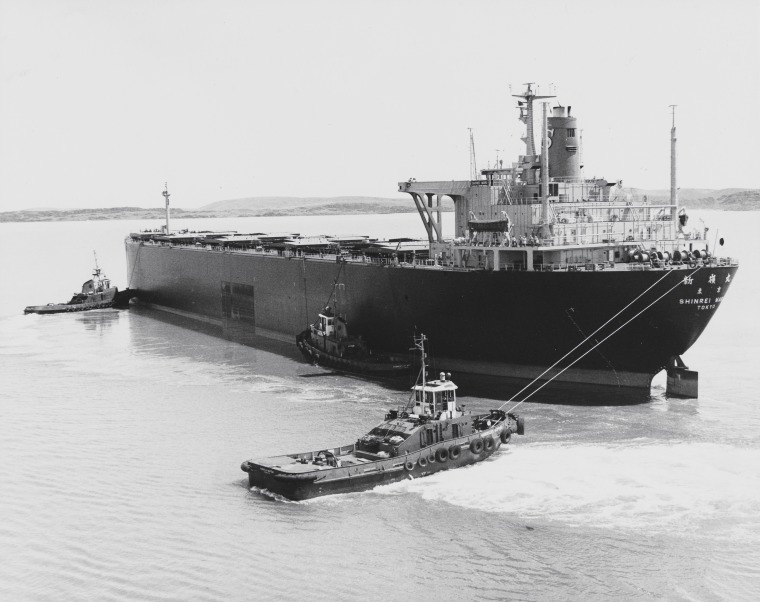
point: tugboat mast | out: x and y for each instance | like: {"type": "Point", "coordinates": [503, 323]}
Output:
{"type": "Point", "coordinates": [166, 195]}
{"type": "Point", "coordinates": [96, 273]}
{"type": "Point", "coordinates": [420, 345]}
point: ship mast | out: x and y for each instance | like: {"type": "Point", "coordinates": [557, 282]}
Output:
{"type": "Point", "coordinates": [673, 188]}
{"type": "Point", "coordinates": [419, 343]}
{"type": "Point", "coordinates": [526, 116]}
{"type": "Point", "coordinates": [166, 195]}
{"type": "Point", "coordinates": [545, 175]}
{"type": "Point", "coordinates": [473, 164]}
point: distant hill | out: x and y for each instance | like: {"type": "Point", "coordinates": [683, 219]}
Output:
{"type": "Point", "coordinates": [727, 199]}
{"type": "Point", "coordinates": [81, 215]}
{"type": "Point", "coordinates": [272, 206]}
{"type": "Point", "coordinates": [288, 203]}
{"type": "Point", "coordinates": [249, 207]}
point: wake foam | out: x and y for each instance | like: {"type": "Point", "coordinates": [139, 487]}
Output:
{"type": "Point", "coordinates": [626, 486]}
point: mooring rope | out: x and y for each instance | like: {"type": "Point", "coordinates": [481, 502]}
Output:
{"type": "Point", "coordinates": [585, 340]}
{"type": "Point", "coordinates": [575, 361]}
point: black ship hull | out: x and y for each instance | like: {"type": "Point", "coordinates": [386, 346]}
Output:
{"type": "Point", "coordinates": [611, 327]}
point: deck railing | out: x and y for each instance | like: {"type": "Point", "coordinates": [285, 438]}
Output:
{"type": "Point", "coordinates": [438, 264]}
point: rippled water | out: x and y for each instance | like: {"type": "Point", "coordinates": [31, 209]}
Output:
{"type": "Point", "coordinates": [121, 438]}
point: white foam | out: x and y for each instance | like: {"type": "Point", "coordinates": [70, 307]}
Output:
{"type": "Point", "coordinates": [637, 485]}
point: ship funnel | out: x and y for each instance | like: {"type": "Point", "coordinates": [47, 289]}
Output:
{"type": "Point", "coordinates": [564, 146]}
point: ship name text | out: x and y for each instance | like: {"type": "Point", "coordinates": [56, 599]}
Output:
{"type": "Point", "coordinates": [702, 303]}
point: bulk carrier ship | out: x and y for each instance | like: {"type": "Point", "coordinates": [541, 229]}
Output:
{"type": "Point", "coordinates": [550, 276]}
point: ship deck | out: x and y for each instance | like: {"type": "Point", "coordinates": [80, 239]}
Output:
{"type": "Point", "coordinates": [517, 258]}
{"type": "Point", "coordinates": [293, 465]}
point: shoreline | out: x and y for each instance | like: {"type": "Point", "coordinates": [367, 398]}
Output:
{"type": "Point", "coordinates": [743, 200]}
{"type": "Point", "coordinates": [159, 214]}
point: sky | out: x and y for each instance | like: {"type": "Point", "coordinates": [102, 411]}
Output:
{"type": "Point", "coordinates": [103, 101]}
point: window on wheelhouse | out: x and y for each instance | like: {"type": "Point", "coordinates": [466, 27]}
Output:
{"type": "Point", "coordinates": [425, 400]}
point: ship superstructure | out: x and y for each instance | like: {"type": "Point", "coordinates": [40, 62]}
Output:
{"type": "Point", "coordinates": [540, 213]}
{"type": "Point", "coordinates": [550, 275]}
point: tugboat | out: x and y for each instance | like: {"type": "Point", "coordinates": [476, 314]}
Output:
{"type": "Point", "coordinates": [327, 342]}
{"type": "Point", "coordinates": [97, 293]}
{"type": "Point", "coordinates": [429, 434]}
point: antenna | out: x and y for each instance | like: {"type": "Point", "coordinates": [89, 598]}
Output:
{"type": "Point", "coordinates": [166, 195]}
{"type": "Point", "coordinates": [545, 232]}
{"type": "Point", "coordinates": [673, 188]}
{"type": "Point", "coordinates": [525, 104]}
{"type": "Point", "coordinates": [473, 163]}
{"type": "Point", "coordinates": [420, 344]}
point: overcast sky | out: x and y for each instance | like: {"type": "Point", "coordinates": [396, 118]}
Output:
{"type": "Point", "coordinates": [102, 101]}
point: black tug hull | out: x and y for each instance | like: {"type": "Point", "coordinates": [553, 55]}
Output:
{"type": "Point", "coordinates": [369, 367]}
{"type": "Point", "coordinates": [298, 490]}
{"type": "Point", "coordinates": [103, 300]}
{"type": "Point", "coordinates": [509, 325]}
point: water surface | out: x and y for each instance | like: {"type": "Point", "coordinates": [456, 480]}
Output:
{"type": "Point", "coordinates": [121, 438]}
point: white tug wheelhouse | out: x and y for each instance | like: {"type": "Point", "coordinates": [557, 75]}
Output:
{"type": "Point", "coordinates": [436, 398]}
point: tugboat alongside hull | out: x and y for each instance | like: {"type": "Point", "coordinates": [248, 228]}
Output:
{"type": "Point", "coordinates": [379, 365]}
{"type": "Point", "coordinates": [327, 342]}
